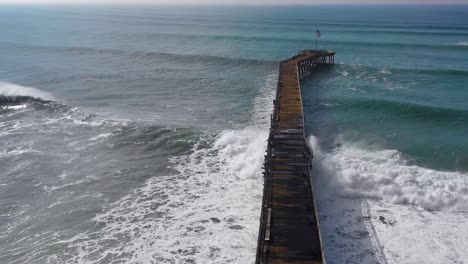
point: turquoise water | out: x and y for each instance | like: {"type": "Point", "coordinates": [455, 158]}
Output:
{"type": "Point", "coordinates": [406, 63]}
{"type": "Point", "coordinates": [136, 133]}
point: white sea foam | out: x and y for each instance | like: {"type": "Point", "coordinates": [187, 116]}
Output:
{"type": "Point", "coordinates": [385, 71]}
{"type": "Point", "coordinates": [384, 174]}
{"type": "Point", "coordinates": [352, 89]}
{"type": "Point", "coordinates": [101, 136]}
{"type": "Point", "coordinates": [263, 104]}
{"type": "Point", "coordinates": [12, 90]}
{"type": "Point", "coordinates": [376, 208]}
{"type": "Point", "coordinates": [15, 107]}
{"type": "Point", "coordinates": [462, 43]}
{"type": "Point", "coordinates": [410, 235]}
{"type": "Point", "coordinates": [344, 73]}
{"type": "Point", "coordinates": [19, 151]}
{"type": "Point", "coordinates": [207, 212]}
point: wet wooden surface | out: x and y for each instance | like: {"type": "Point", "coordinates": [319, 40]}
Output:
{"type": "Point", "coordinates": [289, 231]}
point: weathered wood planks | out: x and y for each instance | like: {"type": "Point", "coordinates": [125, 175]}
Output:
{"type": "Point", "coordinates": [289, 229]}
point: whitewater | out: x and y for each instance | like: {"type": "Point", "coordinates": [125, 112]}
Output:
{"type": "Point", "coordinates": [206, 211]}
{"type": "Point", "coordinates": [375, 207]}
{"type": "Point", "coordinates": [138, 134]}
{"type": "Point", "coordinates": [209, 209]}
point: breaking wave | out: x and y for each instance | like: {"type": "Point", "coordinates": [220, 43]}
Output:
{"type": "Point", "coordinates": [205, 212]}
{"type": "Point", "coordinates": [355, 172]}
{"type": "Point", "coordinates": [186, 217]}
{"type": "Point", "coordinates": [13, 93]}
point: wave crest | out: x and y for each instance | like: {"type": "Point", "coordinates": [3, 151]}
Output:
{"type": "Point", "coordinates": [13, 93]}
{"type": "Point", "coordinates": [385, 175]}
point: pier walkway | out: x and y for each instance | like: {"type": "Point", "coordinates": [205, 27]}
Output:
{"type": "Point", "coordinates": [289, 229]}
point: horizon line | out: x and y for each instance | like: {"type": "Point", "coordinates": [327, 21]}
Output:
{"type": "Point", "coordinates": [232, 4]}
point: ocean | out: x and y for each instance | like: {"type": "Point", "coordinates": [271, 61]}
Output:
{"type": "Point", "coordinates": [136, 134]}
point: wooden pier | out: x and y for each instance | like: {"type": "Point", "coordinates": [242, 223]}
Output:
{"type": "Point", "coordinates": [289, 228]}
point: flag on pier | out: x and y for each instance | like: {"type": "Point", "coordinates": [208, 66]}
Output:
{"type": "Point", "coordinates": [317, 36]}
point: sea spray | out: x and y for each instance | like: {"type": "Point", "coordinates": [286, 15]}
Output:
{"type": "Point", "coordinates": [363, 197]}
{"type": "Point", "coordinates": [15, 90]}
{"type": "Point", "coordinates": [139, 72]}
{"type": "Point", "coordinates": [354, 172]}
{"type": "Point", "coordinates": [243, 151]}
{"type": "Point", "coordinates": [207, 211]}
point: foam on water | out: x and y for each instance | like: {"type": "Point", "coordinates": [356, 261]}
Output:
{"type": "Point", "coordinates": [385, 71]}
{"type": "Point", "coordinates": [385, 174]}
{"type": "Point", "coordinates": [15, 107]}
{"type": "Point", "coordinates": [207, 212]}
{"type": "Point", "coordinates": [376, 208]}
{"type": "Point", "coordinates": [100, 136]}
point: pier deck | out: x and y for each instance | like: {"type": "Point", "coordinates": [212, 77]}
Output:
{"type": "Point", "coordinates": [289, 228]}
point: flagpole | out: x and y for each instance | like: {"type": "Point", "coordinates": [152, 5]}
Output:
{"type": "Point", "coordinates": [315, 41]}
{"type": "Point", "coordinates": [317, 35]}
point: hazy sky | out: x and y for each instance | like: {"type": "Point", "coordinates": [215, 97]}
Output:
{"type": "Point", "coordinates": [235, 1]}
